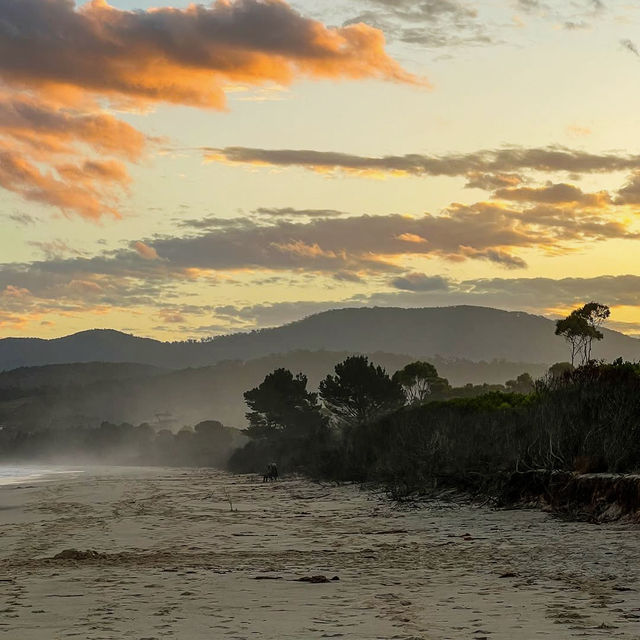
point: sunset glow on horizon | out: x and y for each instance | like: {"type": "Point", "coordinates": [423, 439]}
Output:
{"type": "Point", "coordinates": [189, 170]}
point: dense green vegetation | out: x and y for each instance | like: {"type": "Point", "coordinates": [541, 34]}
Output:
{"type": "Point", "coordinates": [585, 419]}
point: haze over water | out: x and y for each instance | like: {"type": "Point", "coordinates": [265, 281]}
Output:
{"type": "Point", "coordinates": [14, 474]}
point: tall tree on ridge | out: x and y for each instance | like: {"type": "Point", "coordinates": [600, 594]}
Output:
{"type": "Point", "coordinates": [581, 327]}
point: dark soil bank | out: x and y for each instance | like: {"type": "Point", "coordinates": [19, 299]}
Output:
{"type": "Point", "coordinates": [596, 497]}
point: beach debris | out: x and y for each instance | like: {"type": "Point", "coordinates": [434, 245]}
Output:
{"type": "Point", "coordinates": [319, 579]}
{"type": "Point", "coordinates": [267, 578]}
{"type": "Point", "coordinates": [385, 532]}
{"type": "Point", "coordinates": [508, 574]}
{"type": "Point", "coordinates": [75, 554]}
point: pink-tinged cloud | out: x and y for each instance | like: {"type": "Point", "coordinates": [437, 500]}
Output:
{"type": "Point", "coordinates": [15, 292]}
{"type": "Point", "coordinates": [183, 56]}
{"type": "Point", "coordinates": [84, 196]}
{"type": "Point", "coordinates": [36, 134]}
{"type": "Point", "coordinates": [59, 62]}
{"type": "Point", "coordinates": [486, 168]}
{"type": "Point", "coordinates": [48, 128]}
{"type": "Point", "coordinates": [411, 237]}
{"type": "Point", "coordinates": [145, 251]}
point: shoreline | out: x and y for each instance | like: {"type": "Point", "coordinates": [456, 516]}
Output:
{"type": "Point", "coordinates": [585, 497]}
{"type": "Point", "coordinates": [161, 554]}
{"type": "Point", "coordinates": [16, 474]}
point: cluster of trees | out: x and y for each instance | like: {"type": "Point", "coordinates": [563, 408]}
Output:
{"type": "Point", "coordinates": [411, 429]}
{"type": "Point", "coordinates": [208, 444]}
{"type": "Point", "coordinates": [301, 428]}
{"type": "Point", "coordinates": [585, 418]}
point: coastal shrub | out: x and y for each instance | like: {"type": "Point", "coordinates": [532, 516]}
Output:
{"type": "Point", "coordinates": [586, 419]}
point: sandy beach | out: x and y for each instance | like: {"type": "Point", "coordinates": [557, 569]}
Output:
{"type": "Point", "coordinates": [172, 560]}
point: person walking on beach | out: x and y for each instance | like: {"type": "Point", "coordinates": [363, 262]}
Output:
{"type": "Point", "coordinates": [271, 472]}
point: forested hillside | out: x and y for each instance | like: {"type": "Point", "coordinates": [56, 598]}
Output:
{"type": "Point", "coordinates": [471, 333]}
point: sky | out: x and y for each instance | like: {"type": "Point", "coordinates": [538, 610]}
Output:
{"type": "Point", "coordinates": [187, 170]}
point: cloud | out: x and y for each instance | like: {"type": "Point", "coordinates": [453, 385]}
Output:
{"type": "Point", "coordinates": [85, 195]}
{"type": "Point", "coordinates": [535, 295]}
{"type": "Point", "coordinates": [629, 45]}
{"type": "Point", "coordinates": [549, 292]}
{"type": "Point", "coordinates": [432, 23]}
{"type": "Point", "coordinates": [358, 251]}
{"type": "Point", "coordinates": [571, 25]}
{"type": "Point", "coordinates": [157, 271]}
{"type": "Point", "coordinates": [630, 192]}
{"type": "Point", "coordinates": [45, 126]}
{"type": "Point", "coordinates": [363, 243]}
{"type": "Point", "coordinates": [499, 164]}
{"type": "Point", "coordinates": [553, 194]}
{"type": "Point", "coordinates": [22, 218]}
{"type": "Point", "coordinates": [35, 134]}
{"type": "Point", "coordinates": [491, 181]}
{"type": "Point", "coordinates": [578, 131]}
{"type": "Point", "coordinates": [531, 5]}
{"type": "Point", "coordinates": [273, 314]}
{"type": "Point", "coordinates": [171, 316]}
{"type": "Point", "coordinates": [145, 251]}
{"type": "Point", "coordinates": [62, 65]}
{"type": "Point", "coordinates": [15, 292]}
{"type": "Point", "coordinates": [420, 282]}
{"type": "Point", "coordinates": [183, 56]}
{"type": "Point", "coordinates": [630, 328]}
{"type": "Point", "coordinates": [347, 276]}
{"type": "Point", "coordinates": [290, 212]}
{"type": "Point", "coordinates": [213, 222]}
{"type": "Point", "coordinates": [569, 15]}
{"type": "Point", "coordinates": [498, 256]}
{"type": "Point", "coordinates": [411, 237]}
{"type": "Point", "coordinates": [55, 248]}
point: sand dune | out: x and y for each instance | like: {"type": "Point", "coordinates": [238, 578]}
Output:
{"type": "Point", "coordinates": [168, 558]}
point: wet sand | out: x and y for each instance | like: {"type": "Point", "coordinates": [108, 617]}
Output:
{"type": "Point", "coordinates": [174, 561]}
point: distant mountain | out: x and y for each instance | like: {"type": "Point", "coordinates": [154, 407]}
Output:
{"type": "Point", "coordinates": [472, 333]}
{"type": "Point", "coordinates": [80, 374]}
{"type": "Point", "coordinates": [86, 394]}
{"type": "Point", "coordinates": [96, 345]}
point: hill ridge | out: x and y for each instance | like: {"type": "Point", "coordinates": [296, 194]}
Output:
{"type": "Point", "coordinates": [475, 333]}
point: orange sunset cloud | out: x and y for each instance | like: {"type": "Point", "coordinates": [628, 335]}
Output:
{"type": "Point", "coordinates": [60, 61]}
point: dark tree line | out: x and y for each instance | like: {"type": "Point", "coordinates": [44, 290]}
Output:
{"type": "Point", "coordinates": [412, 430]}
{"type": "Point", "coordinates": [306, 430]}
{"type": "Point", "coordinates": [585, 419]}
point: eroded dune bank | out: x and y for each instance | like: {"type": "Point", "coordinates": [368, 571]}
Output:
{"type": "Point", "coordinates": [172, 560]}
